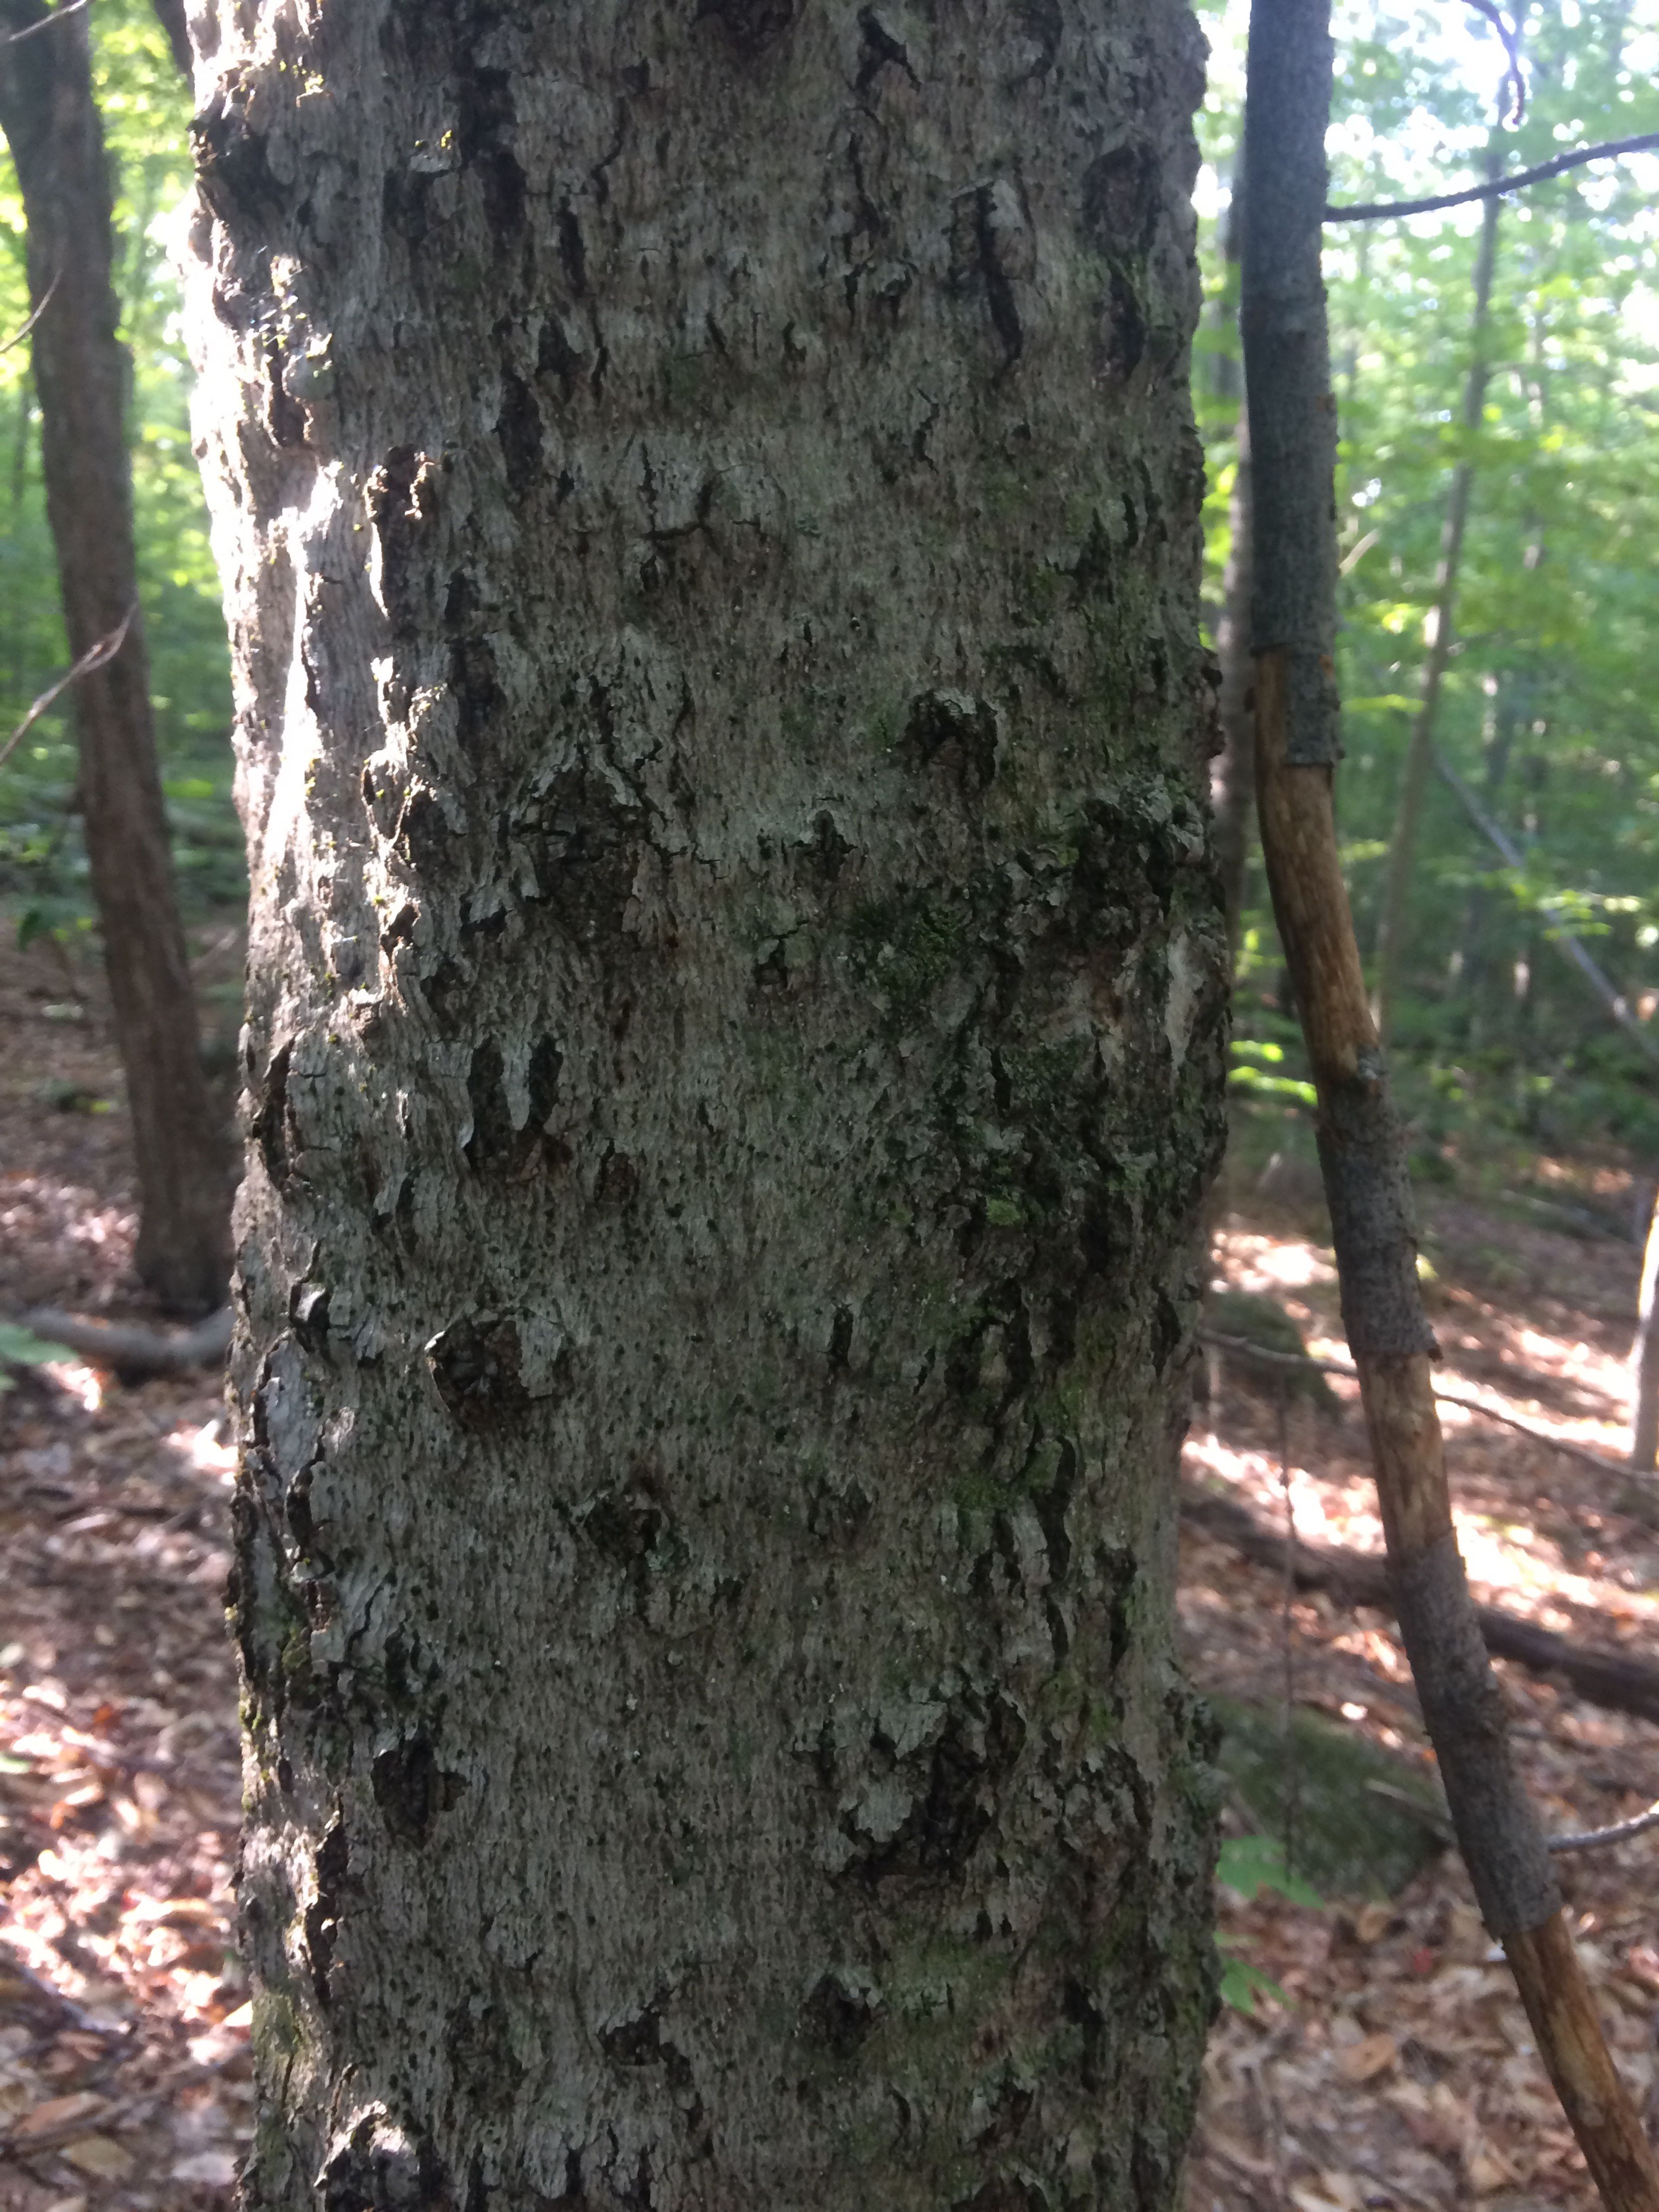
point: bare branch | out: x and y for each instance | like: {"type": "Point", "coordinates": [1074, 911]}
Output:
{"type": "Point", "coordinates": [71, 7]}
{"type": "Point", "coordinates": [132, 1349]}
{"type": "Point", "coordinates": [1567, 942]}
{"type": "Point", "coordinates": [1384, 211]}
{"type": "Point", "coordinates": [1592, 1839]}
{"type": "Point", "coordinates": [18, 335]}
{"type": "Point", "coordinates": [95, 656]}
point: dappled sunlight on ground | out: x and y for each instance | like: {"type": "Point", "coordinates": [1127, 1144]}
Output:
{"type": "Point", "coordinates": [1393, 2071]}
{"type": "Point", "coordinates": [1268, 1263]}
{"type": "Point", "coordinates": [1398, 2071]}
{"type": "Point", "coordinates": [123, 2062]}
{"type": "Point", "coordinates": [123, 2008]}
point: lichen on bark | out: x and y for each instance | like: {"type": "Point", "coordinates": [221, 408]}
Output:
{"type": "Point", "coordinates": [709, 507]}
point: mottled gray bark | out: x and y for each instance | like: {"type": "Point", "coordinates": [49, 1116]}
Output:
{"type": "Point", "coordinates": [51, 121]}
{"type": "Point", "coordinates": [709, 507]}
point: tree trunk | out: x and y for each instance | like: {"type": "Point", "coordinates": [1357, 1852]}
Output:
{"type": "Point", "coordinates": [1475, 960]}
{"type": "Point", "coordinates": [1232, 774]}
{"type": "Point", "coordinates": [51, 124]}
{"type": "Point", "coordinates": [1420, 751]}
{"type": "Point", "coordinates": [710, 508]}
{"type": "Point", "coordinates": [1645, 1357]}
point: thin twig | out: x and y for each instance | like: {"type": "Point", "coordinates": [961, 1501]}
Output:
{"type": "Point", "coordinates": [1383, 211]}
{"type": "Point", "coordinates": [95, 656]}
{"type": "Point", "coordinates": [18, 337]}
{"type": "Point", "coordinates": [1592, 1839]}
{"type": "Point", "coordinates": [1242, 1346]}
{"type": "Point", "coordinates": [1566, 941]}
{"type": "Point", "coordinates": [71, 7]}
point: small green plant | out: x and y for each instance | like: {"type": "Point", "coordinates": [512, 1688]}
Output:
{"type": "Point", "coordinates": [1242, 1983]}
{"type": "Point", "coordinates": [1251, 1864]}
{"type": "Point", "coordinates": [20, 1347]}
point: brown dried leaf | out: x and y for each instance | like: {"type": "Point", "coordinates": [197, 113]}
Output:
{"type": "Point", "coordinates": [1366, 2060]}
{"type": "Point", "coordinates": [59, 2112]}
{"type": "Point", "coordinates": [101, 2156]}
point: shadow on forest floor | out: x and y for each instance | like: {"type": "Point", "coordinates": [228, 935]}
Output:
{"type": "Point", "coordinates": [1396, 2071]}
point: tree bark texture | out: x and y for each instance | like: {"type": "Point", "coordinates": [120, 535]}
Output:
{"type": "Point", "coordinates": [81, 373]}
{"type": "Point", "coordinates": [709, 509]}
{"type": "Point", "coordinates": [1232, 774]}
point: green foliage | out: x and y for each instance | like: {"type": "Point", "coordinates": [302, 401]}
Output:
{"type": "Point", "coordinates": [1242, 1983]}
{"type": "Point", "coordinates": [20, 1347]}
{"type": "Point", "coordinates": [1549, 707]}
{"type": "Point", "coordinates": [1251, 1864]}
{"type": "Point", "coordinates": [146, 105]}
{"type": "Point", "coordinates": [1363, 1821]}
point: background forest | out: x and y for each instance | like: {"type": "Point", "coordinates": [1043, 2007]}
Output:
{"type": "Point", "coordinates": [1534, 1117]}
{"type": "Point", "coordinates": [1547, 708]}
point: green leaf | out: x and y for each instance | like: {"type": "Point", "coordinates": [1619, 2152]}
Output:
{"type": "Point", "coordinates": [1251, 1864]}
{"type": "Point", "coordinates": [1242, 1983]}
{"type": "Point", "coordinates": [21, 1347]}
{"type": "Point", "coordinates": [1277, 1086]}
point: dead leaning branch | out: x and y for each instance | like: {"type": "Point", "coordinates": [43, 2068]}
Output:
{"type": "Point", "coordinates": [1362, 1151]}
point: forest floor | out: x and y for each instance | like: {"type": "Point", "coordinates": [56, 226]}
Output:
{"type": "Point", "coordinates": [1393, 2068]}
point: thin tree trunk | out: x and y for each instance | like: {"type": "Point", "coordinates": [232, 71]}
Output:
{"type": "Point", "coordinates": [51, 121]}
{"type": "Point", "coordinates": [1419, 752]}
{"type": "Point", "coordinates": [170, 14]}
{"type": "Point", "coordinates": [1571, 947]}
{"type": "Point", "coordinates": [1645, 1357]}
{"type": "Point", "coordinates": [709, 506]}
{"type": "Point", "coordinates": [1473, 954]}
{"type": "Point", "coordinates": [1232, 774]}
{"type": "Point", "coordinates": [17, 625]}
{"type": "Point", "coordinates": [1361, 1142]}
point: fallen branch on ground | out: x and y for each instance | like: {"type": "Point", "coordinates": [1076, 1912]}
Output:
{"type": "Point", "coordinates": [130, 1349]}
{"type": "Point", "coordinates": [1613, 1680]}
{"type": "Point", "coordinates": [1245, 1351]}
